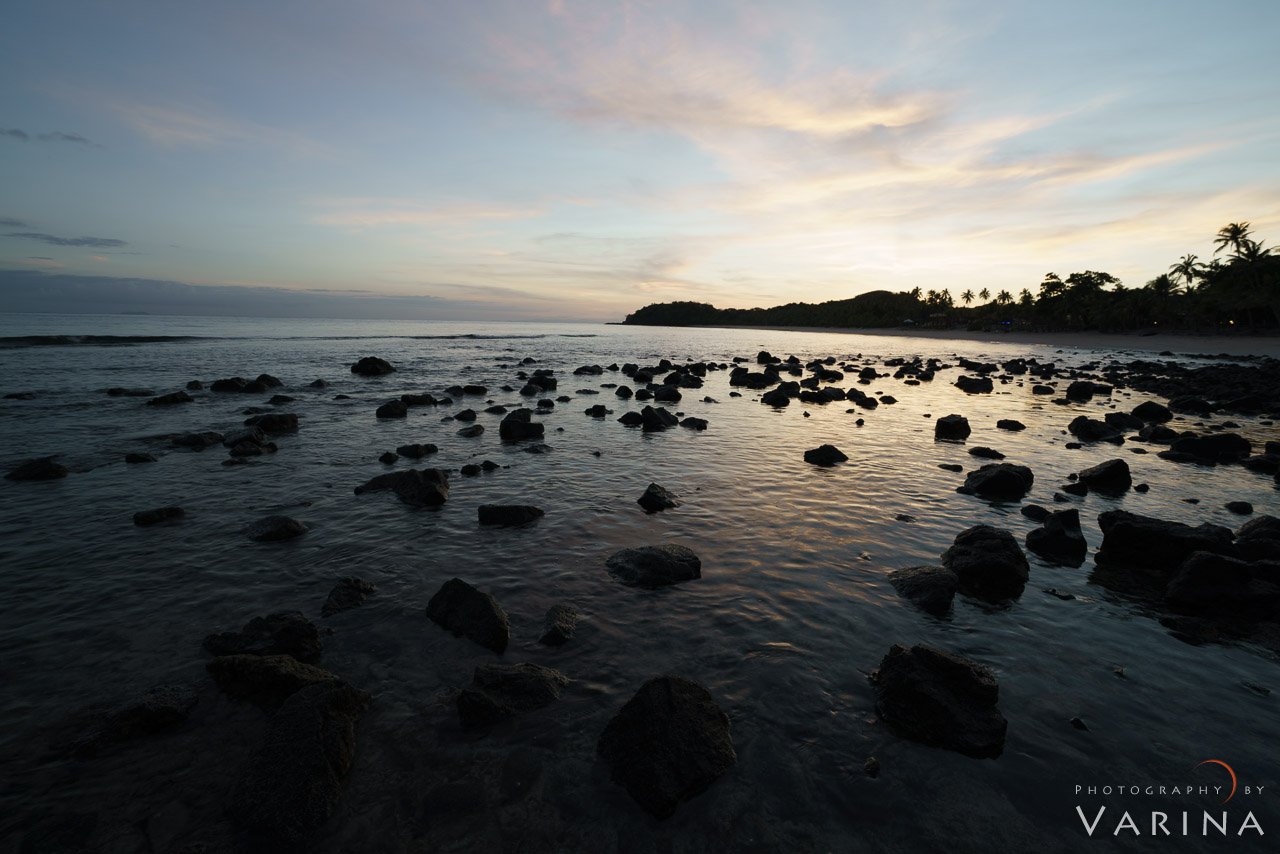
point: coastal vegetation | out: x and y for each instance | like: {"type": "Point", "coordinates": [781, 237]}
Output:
{"type": "Point", "coordinates": [1237, 287]}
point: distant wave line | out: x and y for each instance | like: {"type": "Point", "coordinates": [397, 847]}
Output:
{"type": "Point", "coordinates": [128, 340]}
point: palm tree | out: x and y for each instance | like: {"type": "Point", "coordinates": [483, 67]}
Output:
{"type": "Point", "coordinates": [1163, 286]}
{"type": "Point", "coordinates": [967, 297]}
{"type": "Point", "coordinates": [1252, 250]}
{"type": "Point", "coordinates": [984, 294]}
{"type": "Point", "coordinates": [1234, 235]}
{"type": "Point", "coordinates": [1004, 298]}
{"type": "Point", "coordinates": [1188, 269]}
{"type": "Point", "coordinates": [1024, 297]}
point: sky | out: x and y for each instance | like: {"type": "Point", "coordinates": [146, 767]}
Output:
{"type": "Point", "coordinates": [577, 159]}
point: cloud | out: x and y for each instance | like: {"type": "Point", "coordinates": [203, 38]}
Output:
{"type": "Point", "coordinates": [51, 136]}
{"type": "Point", "coordinates": [178, 126]}
{"type": "Point", "coordinates": [10, 222]}
{"type": "Point", "coordinates": [375, 212]}
{"type": "Point", "coordinates": [54, 240]}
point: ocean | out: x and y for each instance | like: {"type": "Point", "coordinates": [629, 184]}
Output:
{"type": "Point", "coordinates": [792, 613]}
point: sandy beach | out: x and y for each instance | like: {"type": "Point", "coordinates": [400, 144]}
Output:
{"type": "Point", "coordinates": [1176, 342]}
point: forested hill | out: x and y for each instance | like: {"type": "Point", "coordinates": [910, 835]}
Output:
{"type": "Point", "coordinates": [874, 309]}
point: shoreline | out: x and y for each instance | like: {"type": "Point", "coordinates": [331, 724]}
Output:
{"type": "Point", "coordinates": [1179, 343]}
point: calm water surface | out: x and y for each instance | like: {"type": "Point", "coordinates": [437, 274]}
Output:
{"type": "Point", "coordinates": [791, 614]}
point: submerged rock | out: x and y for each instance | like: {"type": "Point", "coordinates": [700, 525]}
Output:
{"type": "Point", "coordinates": [348, 593]}
{"type": "Point", "coordinates": [656, 498]}
{"type": "Point", "coordinates": [274, 528]}
{"type": "Point", "coordinates": [654, 566]}
{"type": "Point", "coordinates": [1148, 543]}
{"type": "Point", "coordinates": [417, 451]}
{"type": "Point", "coordinates": [1059, 539]}
{"type": "Point", "coordinates": [931, 588]}
{"type": "Point", "coordinates": [264, 679]}
{"type": "Point", "coordinates": [508, 515]}
{"type": "Point", "coordinates": [156, 710]}
{"type": "Point", "coordinates": [669, 743]}
{"type": "Point", "coordinates": [559, 625]}
{"type": "Point", "coordinates": [292, 783]}
{"type": "Point", "coordinates": [940, 699]}
{"type": "Point", "coordinates": [170, 399]}
{"type": "Point", "coordinates": [499, 691]}
{"type": "Point", "coordinates": [144, 518]}
{"type": "Point", "coordinates": [393, 409]}
{"type": "Point", "coordinates": [40, 469]}
{"type": "Point", "coordinates": [824, 455]}
{"type": "Point", "coordinates": [419, 487]}
{"type": "Point", "coordinates": [988, 562]}
{"type": "Point", "coordinates": [372, 366]}
{"type": "Point", "coordinates": [284, 633]}
{"type": "Point", "coordinates": [470, 613]}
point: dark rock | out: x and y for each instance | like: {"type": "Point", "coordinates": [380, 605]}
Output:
{"type": "Point", "coordinates": [998, 482]}
{"type": "Point", "coordinates": [559, 626]}
{"type": "Point", "coordinates": [292, 783]}
{"type": "Point", "coordinates": [500, 691]}
{"type": "Point", "coordinates": [348, 593]}
{"type": "Point", "coordinates": [824, 455]}
{"type": "Point", "coordinates": [1215, 583]}
{"type": "Point", "coordinates": [986, 453]}
{"type": "Point", "coordinates": [1035, 512]}
{"type": "Point", "coordinates": [417, 451]}
{"type": "Point", "coordinates": [1259, 539]}
{"type": "Point", "coordinates": [669, 743]}
{"type": "Point", "coordinates": [135, 458]}
{"type": "Point", "coordinates": [1079, 488]}
{"type": "Point", "coordinates": [631, 419]}
{"type": "Point", "coordinates": [1010, 424]}
{"type": "Point", "coordinates": [654, 420]}
{"type": "Point", "coordinates": [657, 498]}
{"type": "Point", "coordinates": [160, 514]}
{"type": "Point", "coordinates": [471, 431]}
{"type": "Point", "coordinates": [274, 423]}
{"type": "Point", "coordinates": [1215, 448]}
{"type": "Point", "coordinates": [388, 457]}
{"type": "Point", "coordinates": [40, 469]}
{"type": "Point", "coordinates": [1152, 412]}
{"type": "Point", "coordinates": [952, 427]}
{"type": "Point", "coordinates": [1042, 389]}
{"type": "Point", "coordinates": [156, 710]}
{"type": "Point", "coordinates": [469, 470]}
{"type": "Point", "coordinates": [196, 441]}
{"type": "Point", "coordinates": [372, 366]}
{"type": "Point", "coordinates": [285, 633]}
{"type": "Point", "coordinates": [470, 613]}
{"type": "Point", "coordinates": [420, 487]}
{"type": "Point", "coordinates": [508, 515]}
{"type": "Point", "coordinates": [974, 385]}
{"type": "Point", "coordinates": [1148, 543]}
{"type": "Point", "coordinates": [264, 679]}
{"type": "Point", "coordinates": [518, 426]}
{"type": "Point", "coordinates": [393, 409]}
{"type": "Point", "coordinates": [654, 566]}
{"type": "Point", "coordinates": [1123, 421]}
{"type": "Point", "coordinates": [1109, 478]}
{"type": "Point", "coordinates": [273, 528]}
{"type": "Point", "coordinates": [777, 398]}
{"type": "Point", "coordinates": [940, 699]}
{"type": "Point", "coordinates": [951, 467]}
{"type": "Point", "coordinates": [1082, 390]}
{"type": "Point", "coordinates": [465, 415]}
{"type": "Point", "coordinates": [1059, 539]}
{"type": "Point", "coordinates": [692, 423]}
{"type": "Point", "coordinates": [1190, 405]}
{"type": "Point", "coordinates": [170, 399]}
{"type": "Point", "coordinates": [988, 562]}
{"type": "Point", "coordinates": [931, 588]}
{"type": "Point", "coordinates": [1092, 430]}
{"type": "Point", "coordinates": [1157, 434]}
{"type": "Point", "coordinates": [598, 411]}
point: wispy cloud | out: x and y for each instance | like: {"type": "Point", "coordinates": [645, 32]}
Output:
{"type": "Point", "coordinates": [374, 212]}
{"type": "Point", "coordinates": [55, 240]}
{"type": "Point", "coordinates": [51, 136]}
{"type": "Point", "coordinates": [10, 222]}
{"type": "Point", "coordinates": [173, 125]}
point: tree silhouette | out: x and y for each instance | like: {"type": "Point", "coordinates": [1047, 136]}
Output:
{"type": "Point", "coordinates": [1234, 235]}
{"type": "Point", "coordinates": [967, 297]}
{"type": "Point", "coordinates": [1188, 269]}
{"type": "Point", "coordinates": [984, 294]}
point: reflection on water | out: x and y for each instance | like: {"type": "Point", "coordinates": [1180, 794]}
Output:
{"type": "Point", "coordinates": [791, 614]}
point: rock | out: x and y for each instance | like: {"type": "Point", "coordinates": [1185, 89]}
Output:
{"type": "Point", "coordinates": [500, 691]}
{"type": "Point", "coordinates": [1147, 543]}
{"type": "Point", "coordinates": [1109, 478]}
{"type": "Point", "coordinates": [559, 625]}
{"type": "Point", "coordinates": [931, 588]}
{"type": "Point", "coordinates": [631, 419]}
{"type": "Point", "coordinates": [508, 515]}
{"type": "Point", "coordinates": [292, 783]}
{"type": "Point", "coordinates": [998, 482]}
{"type": "Point", "coordinates": [160, 514]}
{"type": "Point", "coordinates": [1092, 430]}
{"type": "Point", "coordinates": [1082, 390]}
{"type": "Point", "coordinates": [417, 451]}
{"type": "Point", "coordinates": [1035, 512]}
{"type": "Point", "coordinates": [1123, 421]}
{"type": "Point", "coordinates": [348, 593]}
{"type": "Point", "coordinates": [470, 470]}
{"type": "Point", "coordinates": [465, 415]}
{"type": "Point", "coordinates": [419, 487]}
{"type": "Point", "coordinates": [388, 457]}
{"type": "Point", "coordinates": [1010, 424]}
{"type": "Point", "coordinates": [1078, 488]}
{"type": "Point", "coordinates": [956, 467]}
{"type": "Point", "coordinates": [952, 427]}
{"type": "Point", "coordinates": [1217, 584]}
{"type": "Point", "coordinates": [1157, 434]}
{"type": "Point", "coordinates": [170, 399]}
{"type": "Point", "coordinates": [393, 409]}
{"type": "Point", "coordinates": [988, 562]}
{"type": "Point", "coordinates": [692, 423]}
{"type": "Point", "coordinates": [669, 743]}
{"type": "Point", "coordinates": [777, 398]}
{"type": "Point", "coordinates": [654, 420]}
{"type": "Point", "coordinates": [940, 699]}
{"type": "Point", "coordinates": [986, 453]}
{"type": "Point", "coordinates": [372, 366]}
{"type": "Point", "coordinates": [974, 385]}
{"type": "Point", "coordinates": [1059, 539]}
{"type": "Point", "coordinates": [285, 633]}
{"type": "Point", "coordinates": [824, 455]}
{"type": "Point", "coordinates": [274, 423]}
{"type": "Point", "coordinates": [471, 431]}
{"type": "Point", "coordinates": [264, 679]}
{"type": "Point", "coordinates": [1259, 539]}
{"type": "Point", "coordinates": [156, 710]}
{"type": "Point", "coordinates": [598, 411]}
{"type": "Point", "coordinates": [40, 469]}
{"type": "Point", "coordinates": [1039, 388]}
{"type": "Point", "coordinates": [135, 458]}
{"type": "Point", "coordinates": [657, 498]}
{"type": "Point", "coordinates": [1152, 412]}
{"type": "Point", "coordinates": [273, 528]}
{"type": "Point", "coordinates": [654, 566]}
{"type": "Point", "coordinates": [1215, 448]}
{"type": "Point", "coordinates": [1190, 404]}
{"type": "Point", "coordinates": [470, 613]}
{"type": "Point", "coordinates": [518, 426]}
